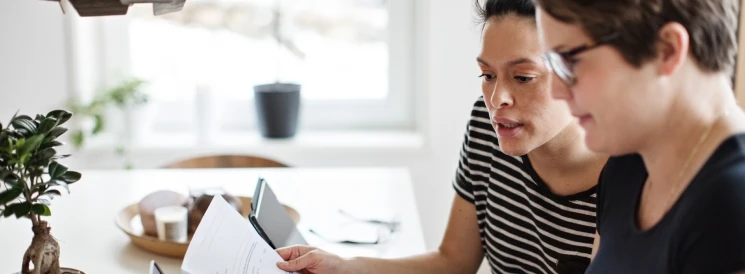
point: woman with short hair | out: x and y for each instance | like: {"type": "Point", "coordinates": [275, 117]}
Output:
{"type": "Point", "coordinates": [650, 82]}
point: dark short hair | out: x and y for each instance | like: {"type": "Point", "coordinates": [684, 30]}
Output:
{"type": "Point", "coordinates": [711, 24]}
{"type": "Point", "coordinates": [499, 8]}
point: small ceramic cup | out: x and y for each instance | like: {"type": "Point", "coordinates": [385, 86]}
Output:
{"type": "Point", "coordinates": [172, 223]}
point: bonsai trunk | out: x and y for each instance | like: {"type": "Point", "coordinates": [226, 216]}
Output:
{"type": "Point", "coordinates": [43, 251]}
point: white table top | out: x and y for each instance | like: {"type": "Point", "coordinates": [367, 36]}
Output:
{"type": "Point", "coordinates": [83, 221]}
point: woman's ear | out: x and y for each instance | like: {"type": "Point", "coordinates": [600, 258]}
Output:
{"type": "Point", "coordinates": [672, 47]}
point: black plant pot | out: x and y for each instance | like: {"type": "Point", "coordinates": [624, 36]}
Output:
{"type": "Point", "coordinates": [277, 109]}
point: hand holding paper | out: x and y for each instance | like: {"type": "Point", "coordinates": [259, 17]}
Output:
{"type": "Point", "coordinates": [226, 243]}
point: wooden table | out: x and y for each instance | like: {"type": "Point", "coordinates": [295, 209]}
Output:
{"type": "Point", "coordinates": [83, 221]}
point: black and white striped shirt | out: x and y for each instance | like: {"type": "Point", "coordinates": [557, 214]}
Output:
{"type": "Point", "coordinates": [524, 227]}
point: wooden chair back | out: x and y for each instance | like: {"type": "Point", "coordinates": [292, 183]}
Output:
{"type": "Point", "coordinates": [226, 161]}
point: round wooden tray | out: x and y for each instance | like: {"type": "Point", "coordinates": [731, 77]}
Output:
{"type": "Point", "coordinates": [128, 220]}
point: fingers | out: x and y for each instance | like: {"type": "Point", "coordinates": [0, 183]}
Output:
{"type": "Point", "coordinates": [293, 252]}
{"type": "Point", "coordinates": [305, 261]}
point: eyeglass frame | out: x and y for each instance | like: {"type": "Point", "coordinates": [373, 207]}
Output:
{"type": "Point", "coordinates": [566, 55]}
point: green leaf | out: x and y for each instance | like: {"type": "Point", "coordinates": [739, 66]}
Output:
{"type": "Point", "coordinates": [3, 174]}
{"type": "Point", "coordinates": [98, 125]}
{"type": "Point", "coordinates": [1, 126]}
{"type": "Point", "coordinates": [45, 154]}
{"type": "Point", "coordinates": [44, 201]}
{"type": "Point", "coordinates": [13, 182]}
{"type": "Point", "coordinates": [20, 133]}
{"type": "Point", "coordinates": [61, 115]}
{"type": "Point", "coordinates": [59, 157]}
{"type": "Point", "coordinates": [78, 139]}
{"type": "Point", "coordinates": [39, 117]}
{"type": "Point", "coordinates": [52, 192]}
{"type": "Point", "coordinates": [47, 124]}
{"type": "Point", "coordinates": [56, 132]}
{"type": "Point", "coordinates": [71, 177]}
{"type": "Point", "coordinates": [50, 143]}
{"type": "Point", "coordinates": [52, 169]}
{"type": "Point", "coordinates": [10, 195]}
{"type": "Point", "coordinates": [57, 170]}
{"type": "Point", "coordinates": [31, 144]}
{"type": "Point", "coordinates": [23, 209]}
{"type": "Point", "coordinates": [41, 209]}
{"type": "Point", "coordinates": [24, 122]}
{"type": "Point", "coordinates": [20, 143]}
{"type": "Point", "coordinates": [20, 117]}
{"type": "Point", "coordinates": [10, 210]}
{"type": "Point", "coordinates": [59, 183]}
{"type": "Point", "coordinates": [24, 159]}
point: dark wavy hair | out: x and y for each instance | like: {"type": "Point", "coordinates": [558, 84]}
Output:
{"type": "Point", "coordinates": [499, 8]}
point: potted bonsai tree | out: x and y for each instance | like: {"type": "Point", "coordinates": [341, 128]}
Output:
{"type": "Point", "coordinates": [31, 176]}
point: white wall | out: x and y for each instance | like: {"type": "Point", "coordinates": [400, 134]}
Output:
{"type": "Point", "coordinates": [33, 76]}
{"type": "Point", "coordinates": [451, 89]}
{"type": "Point", "coordinates": [33, 63]}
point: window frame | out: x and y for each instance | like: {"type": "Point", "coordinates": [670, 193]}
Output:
{"type": "Point", "coordinates": [105, 42]}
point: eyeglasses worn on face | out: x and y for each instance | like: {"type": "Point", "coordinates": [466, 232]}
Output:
{"type": "Point", "coordinates": [561, 62]}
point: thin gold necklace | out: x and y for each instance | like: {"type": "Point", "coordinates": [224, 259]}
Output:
{"type": "Point", "coordinates": [678, 181]}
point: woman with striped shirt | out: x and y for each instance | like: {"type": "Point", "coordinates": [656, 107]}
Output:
{"type": "Point", "coordinates": [525, 183]}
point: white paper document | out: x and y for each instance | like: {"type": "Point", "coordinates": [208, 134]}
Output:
{"type": "Point", "coordinates": [226, 243]}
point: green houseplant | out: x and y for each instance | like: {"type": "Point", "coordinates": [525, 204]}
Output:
{"type": "Point", "coordinates": [31, 176]}
{"type": "Point", "coordinates": [127, 95]}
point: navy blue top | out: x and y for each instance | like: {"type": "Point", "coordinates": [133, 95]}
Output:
{"type": "Point", "coordinates": [703, 232]}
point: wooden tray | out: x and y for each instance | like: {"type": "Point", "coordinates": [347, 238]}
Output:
{"type": "Point", "coordinates": [128, 220]}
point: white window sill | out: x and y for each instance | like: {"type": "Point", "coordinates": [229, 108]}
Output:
{"type": "Point", "coordinates": [241, 141]}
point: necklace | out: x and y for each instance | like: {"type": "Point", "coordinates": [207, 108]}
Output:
{"type": "Point", "coordinates": [687, 163]}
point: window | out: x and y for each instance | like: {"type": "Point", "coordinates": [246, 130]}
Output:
{"type": "Point", "coordinates": [353, 58]}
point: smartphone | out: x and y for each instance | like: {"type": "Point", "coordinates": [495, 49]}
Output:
{"type": "Point", "coordinates": [154, 268]}
{"type": "Point", "coordinates": [271, 220]}
{"type": "Point", "coordinates": [260, 231]}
